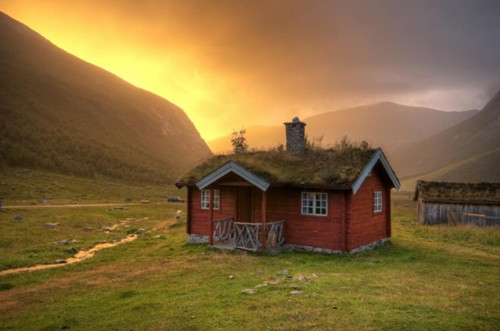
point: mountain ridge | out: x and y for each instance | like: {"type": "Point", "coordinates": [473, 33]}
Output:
{"type": "Point", "coordinates": [384, 124]}
{"type": "Point", "coordinates": [61, 113]}
{"type": "Point", "coordinates": [478, 136]}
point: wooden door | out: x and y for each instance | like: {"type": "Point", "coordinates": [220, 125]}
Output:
{"type": "Point", "coordinates": [244, 202]}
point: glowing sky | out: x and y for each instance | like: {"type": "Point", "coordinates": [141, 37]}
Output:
{"type": "Point", "coordinates": [238, 63]}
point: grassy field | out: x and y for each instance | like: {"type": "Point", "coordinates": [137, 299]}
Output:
{"type": "Point", "coordinates": [438, 278]}
{"type": "Point", "coordinates": [34, 187]}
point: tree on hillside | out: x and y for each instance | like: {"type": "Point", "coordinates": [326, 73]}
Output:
{"type": "Point", "coordinates": [239, 141]}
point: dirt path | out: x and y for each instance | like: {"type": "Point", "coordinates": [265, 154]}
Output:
{"type": "Point", "coordinates": [73, 205]}
{"type": "Point", "coordinates": [80, 256]}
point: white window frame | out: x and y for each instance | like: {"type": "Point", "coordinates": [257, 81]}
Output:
{"type": "Point", "coordinates": [314, 203]}
{"type": "Point", "coordinates": [205, 199]}
{"type": "Point", "coordinates": [216, 200]}
{"type": "Point", "coordinates": [377, 201]}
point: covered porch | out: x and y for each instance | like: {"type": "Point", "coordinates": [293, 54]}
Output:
{"type": "Point", "coordinates": [242, 221]}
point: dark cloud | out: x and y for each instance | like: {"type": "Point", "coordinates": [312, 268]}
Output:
{"type": "Point", "coordinates": [304, 52]}
{"type": "Point", "coordinates": [271, 59]}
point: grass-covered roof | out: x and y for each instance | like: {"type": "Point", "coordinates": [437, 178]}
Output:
{"type": "Point", "coordinates": [471, 193]}
{"type": "Point", "coordinates": [332, 167]}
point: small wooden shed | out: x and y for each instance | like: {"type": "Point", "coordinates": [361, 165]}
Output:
{"type": "Point", "coordinates": [456, 203]}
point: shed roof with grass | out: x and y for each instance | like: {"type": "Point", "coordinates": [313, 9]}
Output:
{"type": "Point", "coordinates": [455, 203]}
{"type": "Point", "coordinates": [328, 200]}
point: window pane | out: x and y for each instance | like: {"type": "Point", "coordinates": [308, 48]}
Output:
{"type": "Point", "coordinates": [377, 201]}
{"type": "Point", "coordinates": [205, 199]}
{"type": "Point", "coordinates": [314, 203]}
{"type": "Point", "coordinates": [216, 199]}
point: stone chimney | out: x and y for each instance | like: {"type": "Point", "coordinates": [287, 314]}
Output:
{"type": "Point", "coordinates": [295, 136]}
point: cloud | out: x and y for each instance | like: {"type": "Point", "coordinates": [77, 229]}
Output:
{"type": "Point", "coordinates": [233, 63]}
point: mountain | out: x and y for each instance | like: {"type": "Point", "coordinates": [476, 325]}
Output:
{"type": "Point", "coordinates": [60, 113]}
{"type": "Point", "coordinates": [258, 137]}
{"type": "Point", "coordinates": [468, 151]}
{"type": "Point", "coordinates": [384, 124]}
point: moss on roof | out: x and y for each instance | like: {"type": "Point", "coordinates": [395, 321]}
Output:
{"type": "Point", "coordinates": [471, 193]}
{"type": "Point", "coordinates": [333, 167]}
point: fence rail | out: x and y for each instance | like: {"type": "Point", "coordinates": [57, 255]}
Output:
{"type": "Point", "coordinates": [247, 236]}
{"type": "Point", "coordinates": [274, 234]}
{"type": "Point", "coordinates": [223, 229]}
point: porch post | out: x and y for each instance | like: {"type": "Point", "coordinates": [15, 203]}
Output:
{"type": "Point", "coordinates": [264, 219]}
{"type": "Point", "coordinates": [211, 204]}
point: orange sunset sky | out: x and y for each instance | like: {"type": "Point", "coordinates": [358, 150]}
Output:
{"type": "Point", "coordinates": [230, 64]}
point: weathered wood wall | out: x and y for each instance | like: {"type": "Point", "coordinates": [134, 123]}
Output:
{"type": "Point", "coordinates": [440, 213]}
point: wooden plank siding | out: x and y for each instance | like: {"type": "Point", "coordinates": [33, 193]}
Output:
{"type": "Point", "coordinates": [308, 230]}
{"type": "Point", "coordinates": [437, 213]}
{"type": "Point", "coordinates": [367, 226]}
{"type": "Point", "coordinates": [350, 221]}
{"type": "Point", "coordinates": [199, 220]}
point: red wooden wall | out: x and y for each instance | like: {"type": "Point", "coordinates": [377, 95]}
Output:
{"type": "Point", "coordinates": [350, 222]}
{"type": "Point", "coordinates": [365, 225]}
{"type": "Point", "coordinates": [199, 219]}
{"type": "Point", "coordinates": [307, 230]}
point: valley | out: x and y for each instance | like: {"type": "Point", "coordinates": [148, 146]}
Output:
{"type": "Point", "coordinates": [94, 232]}
{"type": "Point", "coordinates": [424, 277]}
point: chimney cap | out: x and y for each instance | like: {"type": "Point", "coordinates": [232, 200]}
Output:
{"type": "Point", "coordinates": [295, 120]}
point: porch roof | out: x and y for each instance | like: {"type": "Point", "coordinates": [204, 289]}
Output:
{"type": "Point", "coordinates": [231, 167]}
{"type": "Point", "coordinates": [333, 168]}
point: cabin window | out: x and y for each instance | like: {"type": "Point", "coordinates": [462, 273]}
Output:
{"type": "Point", "coordinates": [205, 199]}
{"type": "Point", "coordinates": [216, 199]}
{"type": "Point", "coordinates": [314, 203]}
{"type": "Point", "coordinates": [377, 201]}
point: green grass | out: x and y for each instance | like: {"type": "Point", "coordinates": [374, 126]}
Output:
{"type": "Point", "coordinates": [33, 187]}
{"type": "Point", "coordinates": [425, 278]}
{"type": "Point", "coordinates": [29, 241]}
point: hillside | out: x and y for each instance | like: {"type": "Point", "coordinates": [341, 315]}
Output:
{"type": "Point", "coordinates": [384, 124]}
{"type": "Point", "coordinates": [468, 151]}
{"type": "Point", "coordinates": [60, 113]}
{"type": "Point", "coordinates": [258, 137]}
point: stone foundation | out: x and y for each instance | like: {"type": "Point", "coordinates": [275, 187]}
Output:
{"type": "Point", "coordinates": [369, 246]}
{"type": "Point", "coordinates": [299, 248]}
{"type": "Point", "coordinates": [290, 247]}
{"type": "Point", "coordinates": [198, 239]}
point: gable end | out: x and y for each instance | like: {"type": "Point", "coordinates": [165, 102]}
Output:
{"type": "Point", "coordinates": [236, 169]}
{"type": "Point", "coordinates": [377, 156]}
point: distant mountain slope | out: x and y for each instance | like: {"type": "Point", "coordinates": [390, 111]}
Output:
{"type": "Point", "coordinates": [477, 138]}
{"type": "Point", "coordinates": [383, 124]}
{"type": "Point", "coordinates": [258, 137]}
{"type": "Point", "coordinates": [60, 113]}
{"type": "Point", "coordinates": [482, 167]}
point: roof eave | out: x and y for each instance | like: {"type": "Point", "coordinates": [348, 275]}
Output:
{"type": "Point", "coordinates": [377, 156]}
{"type": "Point", "coordinates": [236, 169]}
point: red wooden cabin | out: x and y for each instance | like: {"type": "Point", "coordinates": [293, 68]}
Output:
{"type": "Point", "coordinates": [316, 200]}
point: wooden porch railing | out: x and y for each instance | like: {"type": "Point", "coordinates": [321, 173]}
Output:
{"type": "Point", "coordinates": [248, 236]}
{"type": "Point", "coordinates": [274, 234]}
{"type": "Point", "coordinates": [223, 229]}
